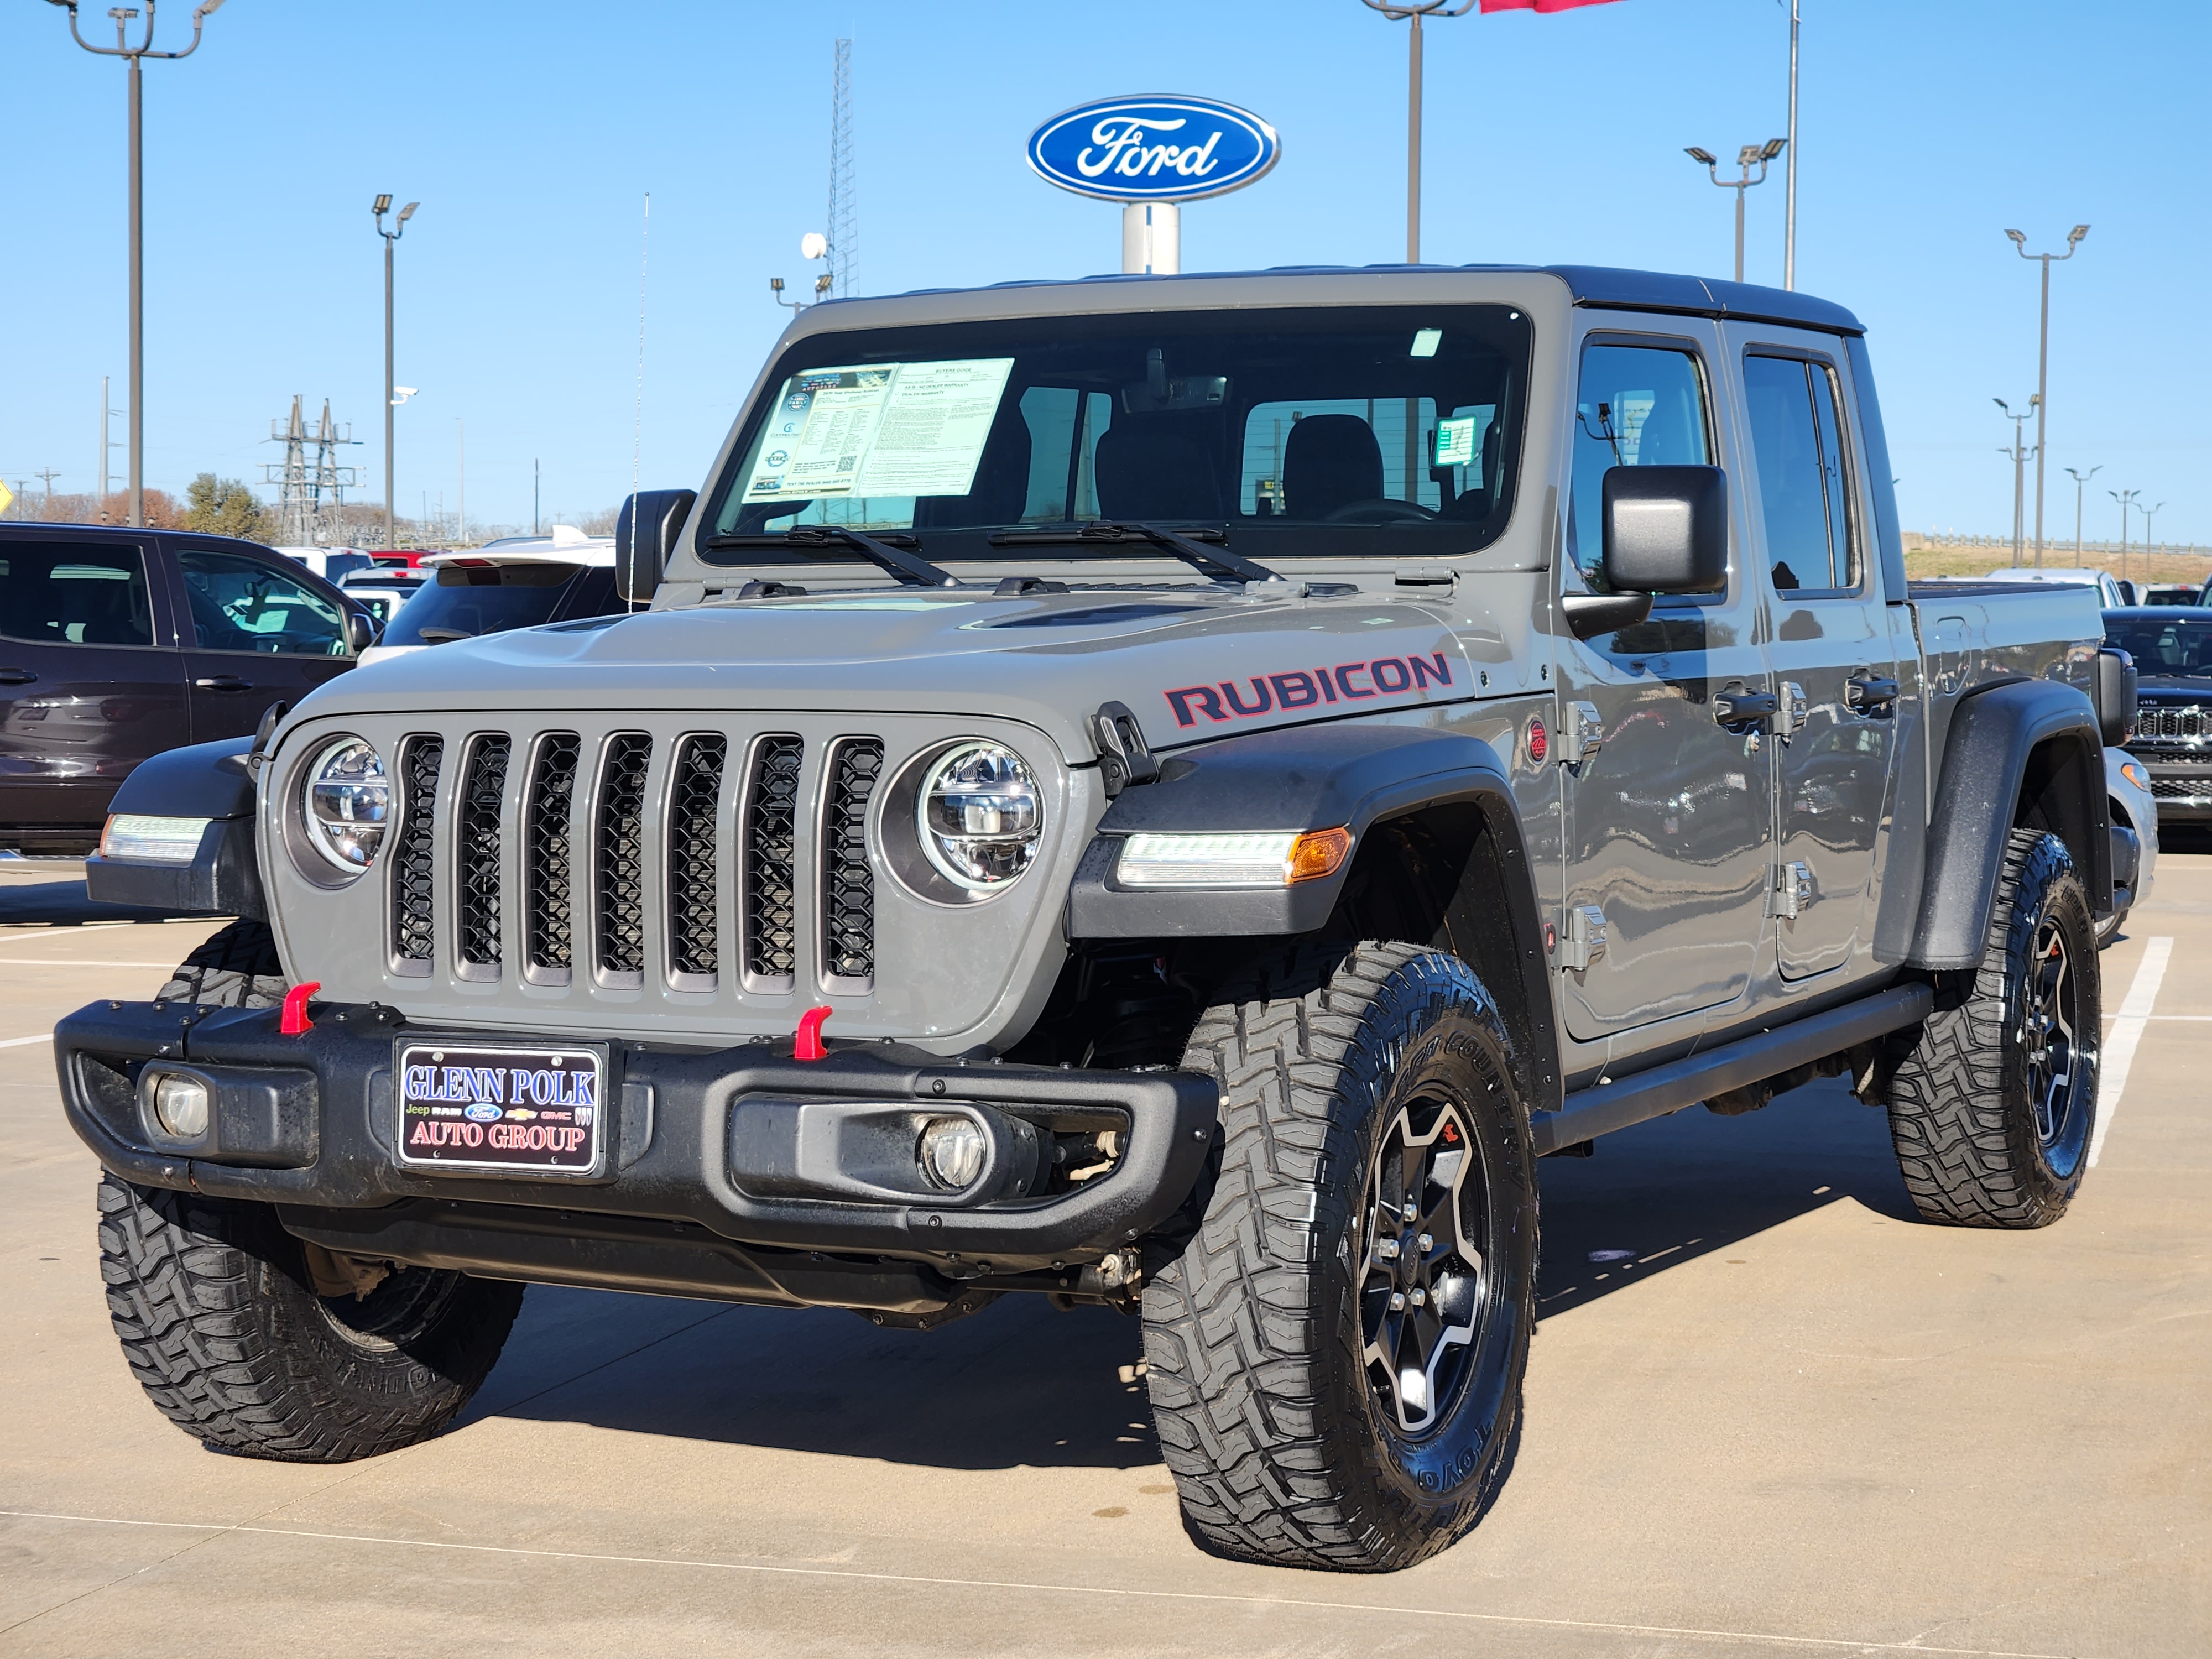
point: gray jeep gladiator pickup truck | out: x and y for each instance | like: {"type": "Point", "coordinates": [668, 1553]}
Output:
{"type": "Point", "coordinates": [1166, 793]}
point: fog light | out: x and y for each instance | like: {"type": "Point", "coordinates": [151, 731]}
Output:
{"type": "Point", "coordinates": [180, 1105]}
{"type": "Point", "coordinates": [952, 1151]}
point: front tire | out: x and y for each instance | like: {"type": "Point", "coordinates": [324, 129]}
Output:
{"type": "Point", "coordinates": [1992, 1112]}
{"type": "Point", "coordinates": [219, 1318]}
{"type": "Point", "coordinates": [1336, 1358]}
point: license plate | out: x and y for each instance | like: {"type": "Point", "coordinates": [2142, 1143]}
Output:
{"type": "Point", "coordinates": [491, 1107]}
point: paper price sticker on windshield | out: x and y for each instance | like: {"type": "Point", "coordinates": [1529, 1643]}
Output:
{"type": "Point", "coordinates": [865, 432]}
{"type": "Point", "coordinates": [1456, 442]}
{"type": "Point", "coordinates": [526, 1110]}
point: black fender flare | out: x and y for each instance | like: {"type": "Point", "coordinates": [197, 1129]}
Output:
{"type": "Point", "coordinates": [2008, 743]}
{"type": "Point", "coordinates": [209, 780]}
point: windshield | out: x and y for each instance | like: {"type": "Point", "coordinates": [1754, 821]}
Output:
{"type": "Point", "coordinates": [1387, 432]}
{"type": "Point", "coordinates": [466, 600]}
{"type": "Point", "coordinates": [2171, 649]}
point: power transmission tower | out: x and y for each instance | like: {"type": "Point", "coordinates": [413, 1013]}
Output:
{"type": "Point", "coordinates": [842, 226]}
{"type": "Point", "coordinates": [294, 511]}
{"type": "Point", "coordinates": [331, 480]}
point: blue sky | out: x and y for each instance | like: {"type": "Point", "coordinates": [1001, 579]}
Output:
{"type": "Point", "coordinates": [530, 135]}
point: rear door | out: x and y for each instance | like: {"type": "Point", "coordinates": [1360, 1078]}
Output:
{"type": "Point", "coordinates": [90, 681]}
{"type": "Point", "coordinates": [255, 633]}
{"type": "Point", "coordinates": [1829, 643]}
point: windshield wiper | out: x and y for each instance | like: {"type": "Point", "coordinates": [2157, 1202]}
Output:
{"type": "Point", "coordinates": [907, 567]}
{"type": "Point", "coordinates": [442, 635]}
{"type": "Point", "coordinates": [1215, 561]}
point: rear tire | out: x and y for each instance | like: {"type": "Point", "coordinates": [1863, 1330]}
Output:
{"type": "Point", "coordinates": [1992, 1111]}
{"type": "Point", "coordinates": [236, 967]}
{"type": "Point", "coordinates": [1315, 1411]}
{"type": "Point", "coordinates": [219, 1318]}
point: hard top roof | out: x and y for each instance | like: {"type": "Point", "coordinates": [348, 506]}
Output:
{"type": "Point", "coordinates": [1588, 285]}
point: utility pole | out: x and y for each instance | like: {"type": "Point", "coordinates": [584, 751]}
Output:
{"type": "Point", "coordinates": [49, 474]}
{"type": "Point", "coordinates": [1762, 153]}
{"type": "Point", "coordinates": [105, 445]}
{"type": "Point", "coordinates": [2043, 362]}
{"type": "Point", "coordinates": [2019, 471]}
{"type": "Point", "coordinates": [131, 57]}
{"type": "Point", "coordinates": [461, 511]}
{"type": "Point", "coordinates": [1790, 185]}
{"type": "Point", "coordinates": [391, 400]}
{"type": "Point", "coordinates": [534, 481]}
{"type": "Point", "coordinates": [2080, 479]}
{"type": "Point", "coordinates": [2126, 499]}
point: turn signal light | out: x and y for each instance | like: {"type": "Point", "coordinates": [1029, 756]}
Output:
{"type": "Point", "coordinates": [1316, 854]}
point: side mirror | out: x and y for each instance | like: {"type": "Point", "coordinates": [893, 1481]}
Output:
{"type": "Point", "coordinates": [1666, 529]}
{"type": "Point", "coordinates": [2114, 693]}
{"type": "Point", "coordinates": [646, 533]}
{"type": "Point", "coordinates": [360, 632]}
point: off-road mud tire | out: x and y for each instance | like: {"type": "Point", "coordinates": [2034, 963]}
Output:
{"type": "Point", "coordinates": [236, 967]}
{"type": "Point", "coordinates": [1960, 1116]}
{"type": "Point", "coordinates": [221, 1326]}
{"type": "Point", "coordinates": [1280, 1449]}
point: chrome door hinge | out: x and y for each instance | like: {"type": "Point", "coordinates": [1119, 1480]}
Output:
{"type": "Point", "coordinates": [1584, 735]}
{"type": "Point", "coordinates": [1584, 942]}
{"type": "Point", "coordinates": [1792, 894]}
{"type": "Point", "coordinates": [1789, 708]}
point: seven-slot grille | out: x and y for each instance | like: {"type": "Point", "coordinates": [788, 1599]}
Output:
{"type": "Point", "coordinates": [2178, 723]}
{"type": "Point", "coordinates": [704, 829]}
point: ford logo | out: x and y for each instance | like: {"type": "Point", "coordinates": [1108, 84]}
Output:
{"type": "Point", "coordinates": [482, 1112]}
{"type": "Point", "coordinates": [1153, 149]}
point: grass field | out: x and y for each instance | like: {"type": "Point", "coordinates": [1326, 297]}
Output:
{"type": "Point", "coordinates": [1923, 560]}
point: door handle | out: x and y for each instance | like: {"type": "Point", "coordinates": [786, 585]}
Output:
{"type": "Point", "coordinates": [1737, 705]}
{"type": "Point", "coordinates": [16, 676]}
{"type": "Point", "coordinates": [1869, 692]}
{"type": "Point", "coordinates": [222, 683]}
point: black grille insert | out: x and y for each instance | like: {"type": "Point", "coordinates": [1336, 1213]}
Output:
{"type": "Point", "coordinates": [548, 921]}
{"type": "Point", "coordinates": [694, 793]}
{"type": "Point", "coordinates": [849, 886]}
{"type": "Point", "coordinates": [620, 856]}
{"type": "Point", "coordinates": [483, 787]}
{"type": "Point", "coordinates": [769, 840]}
{"type": "Point", "coordinates": [413, 933]}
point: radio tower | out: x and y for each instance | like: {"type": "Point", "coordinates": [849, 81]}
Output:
{"type": "Point", "coordinates": [843, 228]}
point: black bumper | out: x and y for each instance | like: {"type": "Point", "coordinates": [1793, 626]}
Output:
{"type": "Point", "coordinates": [307, 1123]}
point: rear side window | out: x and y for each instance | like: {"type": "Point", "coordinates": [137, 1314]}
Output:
{"type": "Point", "coordinates": [463, 601]}
{"type": "Point", "coordinates": [1796, 443]}
{"type": "Point", "coordinates": [242, 605]}
{"type": "Point", "coordinates": [74, 594]}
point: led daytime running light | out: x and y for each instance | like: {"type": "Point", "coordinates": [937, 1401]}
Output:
{"type": "Point", "coordinates": [1261, 858]}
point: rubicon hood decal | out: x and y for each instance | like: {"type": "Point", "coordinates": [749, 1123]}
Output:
{"type": "Point", "coordinates": [1316, 688]}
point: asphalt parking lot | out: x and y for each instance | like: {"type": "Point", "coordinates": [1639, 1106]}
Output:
{"type": "Point", "coordinates": [1768, 1413]}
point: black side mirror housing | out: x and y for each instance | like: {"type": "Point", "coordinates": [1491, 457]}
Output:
{"type": "Point", "coordinates": [646, 533]}
{"type": "Point", "coordinates": [360, 632]}
{"type": "Point", "coordinates": [2114, 693]}
{"type": "Point", "coordinates": [1666, 529]}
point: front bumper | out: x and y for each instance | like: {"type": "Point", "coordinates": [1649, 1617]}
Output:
{"type": "Point", "coordinates": [308, 1123]}
{"type": "Point", "coordinates": [2182, 788]}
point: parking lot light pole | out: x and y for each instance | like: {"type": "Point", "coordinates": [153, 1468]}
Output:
{"type": "Point", "coordinates": [131, 55]}
{"type": "Point", "coordinates": [1414, 11]}
{"type": "Point", "coordinates": [2019, 471]}
{"type": "Point", "coordinates": [2146, 512]}
{"type": "Point", "coordinates": [2043, 361]}
{"type": "Point", "coordinates": [381, 206]}
{"type": "Point", "coordinates": [2126, 498]}
{"type": "Point", "coordinates": [2080, 479]}
{"type": "Point", "coordinates": [1762, 153]}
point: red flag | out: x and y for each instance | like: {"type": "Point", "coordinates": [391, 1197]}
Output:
{"type": "Point", "coordinates": [1538, 5]}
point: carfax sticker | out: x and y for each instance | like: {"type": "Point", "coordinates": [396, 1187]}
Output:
{"type": "Point", "coordinates": [531, 1111]}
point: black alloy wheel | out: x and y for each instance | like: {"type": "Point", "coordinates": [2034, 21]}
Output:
{"type": "Point", "coordinates": [1422, 1288]}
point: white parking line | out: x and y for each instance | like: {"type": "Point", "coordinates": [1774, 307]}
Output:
{"type": "Point", "coordinates": [68, 962]}
{"type": "Point", "coordinates": [2127, 1031]}
{"type": "Point", "coordinates": [25, 1042]}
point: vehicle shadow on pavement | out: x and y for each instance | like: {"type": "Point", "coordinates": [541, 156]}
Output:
{"type": "Point", "coordinates": [1020, 1384]}
{"type": "Point", "coordinates": [54, 896]}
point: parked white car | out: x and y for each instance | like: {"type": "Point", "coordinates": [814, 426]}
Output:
{"type": "Point", "coordinates": [2104, 581]}
{"type": "Point", "coordinates": [519, 581]}
{"type": "Point", "coordinates": [332, 564]}
{"type": "Point", "coordinates": [2128, 783]}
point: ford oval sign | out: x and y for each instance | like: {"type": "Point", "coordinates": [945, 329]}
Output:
{"type": "Point", "coordinates": [1153, 149]}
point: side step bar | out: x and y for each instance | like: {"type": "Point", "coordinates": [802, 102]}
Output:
{"type": "Point", "coordinates": [1605, 1107]}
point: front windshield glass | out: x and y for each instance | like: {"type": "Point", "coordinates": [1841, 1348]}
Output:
{"type": "Point", "coordinates": [2170, 649]}
{"type": "Point", "coordinates": [1384, 432]}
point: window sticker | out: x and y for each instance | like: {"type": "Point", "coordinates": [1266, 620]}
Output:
{"type": "Point", "coordinates": [1456, 442]}
{"type": "Point", "coordinates": [880, 429]}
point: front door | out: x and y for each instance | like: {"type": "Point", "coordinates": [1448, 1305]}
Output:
{"type": "Point", "coordinates": [258, 635]}
{"type": "Point", "coordinates": [1829, 645]}
{"type": "Point", "coordinates": [89, 686]}
{"type": "Point", "coordinates": [1669, 818]}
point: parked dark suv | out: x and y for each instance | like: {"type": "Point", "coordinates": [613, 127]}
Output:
{"type": "Point", "coordinates": [117, 644]}
{"type": "Point", "coordinates": [2172, 646]}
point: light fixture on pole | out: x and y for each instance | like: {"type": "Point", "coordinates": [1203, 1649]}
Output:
{"type": "Point", "coordinates": [2018, 471]}
{"type": "Point", "coordinates": [393, 395]}
{"type": "Point", "coordinates": [1763, 154]}
{"type": "Point", "coordinates": [813, 246]}
{"type": "Point", "coordinates": [131, 55]}
{"type": "Point", "coordinates": [1413, 11]}
{"type": "Point", "coordinates": [2080, 479]}
{"type": "Point", "coordinates": [2148, 545]}
{"type": "Point", "coordinates": [2126, 498]}
{"type": "Point", "coordinates": [2043, 360]}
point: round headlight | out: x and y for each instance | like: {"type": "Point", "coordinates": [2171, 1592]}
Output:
{"type": "Point", "coordinates": [347, 803]}
{"type": "Point", "coordinates": [981, 815]}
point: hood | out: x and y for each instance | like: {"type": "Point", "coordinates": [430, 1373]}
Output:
{"type": "Point", "coordinates": [1193, 663]}
{"type": "Point", "coordinates": [2172, 688]}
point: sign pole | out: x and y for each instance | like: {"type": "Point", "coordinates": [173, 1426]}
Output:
{"type": "Point", "coordinates": [1151, 238]}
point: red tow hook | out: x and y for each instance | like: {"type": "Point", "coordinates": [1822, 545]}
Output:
{"type": "Point", "coordinates": [807, 1045]}
{"type": "Point", "coordinates": [294, 1021]}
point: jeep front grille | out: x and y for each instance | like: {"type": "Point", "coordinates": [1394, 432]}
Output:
{"type": "Point", "coordinates": [2179, 723]}
{"type": "Point", "coordinates": [548, 930]}
{"type": "Point", "coordinates": [621, 858]}
{"type": "Point", "coordinates": [483, 792]}
{"type": "Point", "coordinates": [770, 834]}
{"type": "Point", "coordinates": [694, 795]}
{"type": "Point", "coordinates": [848, 887]}
{"type": "Point", "coordinates": [413, 931]}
